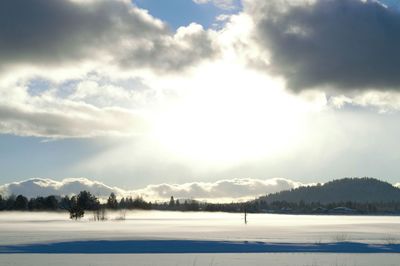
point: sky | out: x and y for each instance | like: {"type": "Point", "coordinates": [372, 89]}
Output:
{"type": "Point", "coordinates": [134, 93]}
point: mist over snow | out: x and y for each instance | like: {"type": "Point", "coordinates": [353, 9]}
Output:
{"type": "Point", "coordinates": [219, 191]}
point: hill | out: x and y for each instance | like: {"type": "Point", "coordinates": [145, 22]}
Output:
{"type": "Point", "coordinates": [361, 190]}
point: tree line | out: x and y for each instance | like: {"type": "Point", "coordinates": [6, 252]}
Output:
{"type": "Point", "coordinates": [302, 207]}
{"type": "Point", "coordinates": [85, 201]}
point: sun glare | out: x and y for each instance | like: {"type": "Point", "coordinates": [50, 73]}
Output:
{"type": "Point", "coordinates": [236, 115]}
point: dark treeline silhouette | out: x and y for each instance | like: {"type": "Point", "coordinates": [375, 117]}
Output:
{"type": "Point", "coordinates": [360, 190]}
{"type": "Point", "coordinates": [76, 205]}
{"type": "Point", "coordinates": [85, 201]}
{"type": "Point", "coordinates": [341, 207]}
{"type": "Point", "coordinates": [345, 196]}
{"type": "Point", "coordinates": [21, 203]}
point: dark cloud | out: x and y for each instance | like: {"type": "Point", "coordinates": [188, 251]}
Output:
{"type": "Point", "coordinates": [53, 33]}
{"type": "Point", "coordinates": [190, 45]}
{"type": "Point", "coordinates": [345, 44]}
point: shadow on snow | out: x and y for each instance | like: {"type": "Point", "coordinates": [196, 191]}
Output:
{"type": "Point", "coordinates": [192, 246]}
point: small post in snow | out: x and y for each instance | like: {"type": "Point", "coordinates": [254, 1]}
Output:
{"type": "Point", "coordinates": [245, 214]}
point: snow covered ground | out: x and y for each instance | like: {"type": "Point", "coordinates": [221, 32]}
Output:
{"type": "Point", "coordinates": [283, 259]}
{"type": "Point", "coordinates": [292, 232]}
{"type": "Point", "coordinates": [19, 228]}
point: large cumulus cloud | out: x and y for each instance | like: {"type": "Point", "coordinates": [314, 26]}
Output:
{"type": "Point", "coordinates": [344, 44]}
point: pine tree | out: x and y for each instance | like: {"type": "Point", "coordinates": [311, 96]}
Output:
{"type": "Point", "coordinates": [75, 211]}
{"type": "Point", "coordinates": [112, 202]}
{"type": "Point", "coordinates": [172, 202]}
{"type": "Point", "coordinates": [21, 203]}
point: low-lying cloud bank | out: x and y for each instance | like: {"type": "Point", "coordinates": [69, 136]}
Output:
{"type": "Point", "coordinates": [220, 191]}
{"type": "Point", "coordinates": [45, 187]}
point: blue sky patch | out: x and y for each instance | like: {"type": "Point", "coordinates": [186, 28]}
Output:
{"type": "Point", "coordinates": [179, 13]}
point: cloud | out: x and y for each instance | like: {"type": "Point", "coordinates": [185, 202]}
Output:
{"type": "Point", "coordinates": [48, 115]}
{"type": "Point", "coordinates": [79, 121]}
{"type": "Point", "coordinates": [383, 101]}
{"type": "Point", "coordinates": [189, 46]}
{"type": "Point", "coordinates": [45, 187]}
{"type": "Point", "coordinates": [219, 191]}
{"type": "Point", "coordinates": [223, 4]}
{"type": "Point", "coordinates": [89, 90]}
{"type": "Point", "coordinates": [66, 42]}
{"type": "Point", "coordinates": [344, 44]}
{"type": "Point", "coordinates": [224, 190]}
{"type": "Point", "coordinates": [58, 34]}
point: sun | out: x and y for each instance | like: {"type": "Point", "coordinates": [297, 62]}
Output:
{"type": "Point", "coordinates": [232, 114]}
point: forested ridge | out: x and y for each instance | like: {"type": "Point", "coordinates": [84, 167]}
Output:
{"type": "Point", "coordinates": [360, 190]}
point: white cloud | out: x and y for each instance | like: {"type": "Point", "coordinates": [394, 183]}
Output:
{"type": "Point", "coordinates": [223, 4]}
{"type": "Point", "coordinates": [45, 187]}
{"type": "Point", "coordinates": [383, 101]}
{"type": "Point", "coordinates": [220, 191]}
{"type": "Point", "coordinates": [106, 94]}
{"type": "Point", "coordinates": [90, 89]}
{"type": "Point", "coordinates": [47, 115]}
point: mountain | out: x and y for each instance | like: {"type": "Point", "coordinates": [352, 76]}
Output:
{"type": "Point", "coordinates": [360, 190]}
